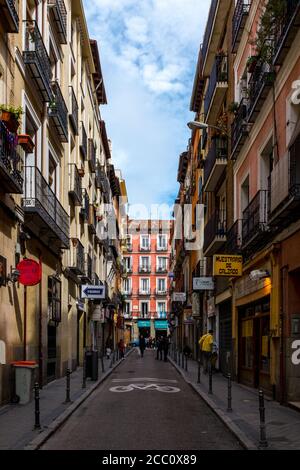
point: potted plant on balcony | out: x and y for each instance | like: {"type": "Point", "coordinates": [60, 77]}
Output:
{"type": "Point", "coordinates": [233, 107]}
{"type": "Point", "coordinates": [251, 63]}
{"type": "Point", "coordinates": [26, 142]}
{"type": "Point", "coordinates": [11, 116]}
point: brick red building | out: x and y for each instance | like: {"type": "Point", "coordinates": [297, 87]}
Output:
{"type": "Point", "coordinates": [146, 258]}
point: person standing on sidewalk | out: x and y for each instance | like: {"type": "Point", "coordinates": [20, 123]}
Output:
{"type": "Point", "coordinates": [121, 348]}
{"type": "Point", "coordinates": [206, 343]}
{"type": "Point", "coordinates": [142, 344]}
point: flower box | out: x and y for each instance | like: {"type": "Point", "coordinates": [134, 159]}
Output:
{"type": "Point", "coordinates": [11, 122]}
{"type": "Point", "coordinates": [26, 142]}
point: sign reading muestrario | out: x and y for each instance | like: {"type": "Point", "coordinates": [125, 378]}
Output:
{"type": "Point", "coordinates": [228, 265]}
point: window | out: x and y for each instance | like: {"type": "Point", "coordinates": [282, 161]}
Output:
{"type": "Point", "coordinates": [161, 285]}
{"type": "Point", "coordinates": [161, 310]}
{"type": "Point", "coordinates": [54, 299]}
{"type": "Point", "coordinates": [161, 263]}
{"type": "Point", "coordinates": [127, 263]}
{"type": "Point", "coordinates": [162, 242]}
{"type": "Point", "coordinates": [145, 242]}
{"type": "Point", "coordinates": [145, 263]}
{"type": "Point", "coordinates": [266, 165]}
{"type": "Point", "coordinates": [144, 309]}
{"type": "Point", "coordinates": [127, 309]}
{"type": "Point", "coordinates": [145, 285]}
{"type": "Point", "coordinates": [127, 286]}
{"type": "Point", "coordinates": [245, 195]}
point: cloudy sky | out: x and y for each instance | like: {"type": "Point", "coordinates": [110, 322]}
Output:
{"type": "Point", "coordinates": [148, 51]}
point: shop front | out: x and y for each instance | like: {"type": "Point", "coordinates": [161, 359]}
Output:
{"type": "Point", "coordinates": [161, 328]}
{"type": "Point", "coordinates": [144, 328]}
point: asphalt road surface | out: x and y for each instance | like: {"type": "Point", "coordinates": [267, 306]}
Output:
{"type": "Point", "coordinates": [144, 405]}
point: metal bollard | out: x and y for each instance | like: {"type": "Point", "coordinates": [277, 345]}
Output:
{"type": "Point", "coordinates": [229, 408]}
{"type": "Point", "coordinates": [68, 388]}
{"type": "Point", "coordinates": [84, 372]}
{"type": "Point", "coordinates": [37, 424]}
{"type": "Point", "coordinates": [263, 443]}
{"type": "Point", "coordinates": [210, 379]}
{"type": "Point", "coordinates": [199, 372]}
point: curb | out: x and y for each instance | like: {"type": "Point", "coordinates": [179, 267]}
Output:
{"type": "Point", "coordinates": [234, 429]}
{"type": "Point", "coordinates": [38, 441]}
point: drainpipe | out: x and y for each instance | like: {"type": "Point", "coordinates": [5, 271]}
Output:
{"type": "Point", "coordinates": [41, 327]}
{"type": "Point", "coordinates": [282, 336]}
{"type": "Point", "coordinates": [25, 324]}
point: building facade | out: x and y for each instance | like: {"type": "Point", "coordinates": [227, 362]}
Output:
{"type": "Point", "coordinates": [58, 188]}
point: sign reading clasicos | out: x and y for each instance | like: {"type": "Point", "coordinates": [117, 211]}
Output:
{"type": "Point", "coordinates": [228, 265]}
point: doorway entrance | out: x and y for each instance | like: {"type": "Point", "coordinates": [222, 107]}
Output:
{"type": "Point", "coordinates": [51, 353]}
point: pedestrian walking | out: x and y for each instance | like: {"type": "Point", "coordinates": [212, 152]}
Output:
{"type": "Point", "coordinates": [205, 343]}
{"type": "Point", "coordinates": [165, 347]}
{"type": "Point", "coordinates": [108, 347]}
{"type": "Point", "coordinates": [142, 344]}
{"type": "Point", "coordinates": [121, 346]}
{"type": "Point", "coordinates": [159, 345]}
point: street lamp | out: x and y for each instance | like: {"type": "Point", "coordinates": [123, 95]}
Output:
{"type": "Point", "coordinates": [193, 125]}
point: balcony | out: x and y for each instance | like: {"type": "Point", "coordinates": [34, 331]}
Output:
{"type": "Point", "coordinates": [127, 292]}
{"type": "Point", "coordinates": [10, 18]}
{"type": "Point", "coordinates": [239, 130]}
{"type": "Point", "coordinates": [59, 14]}
{"type": "Point", "coordinates": [215, 163]}
{"type": "Point", "coordinates": [11, 175]}
{"type": "Point", "coordinates": [144, 269]}
{"type": "Point", "coordinates": [161, 292]}
{"type": "Point", "coordinates": [73, 116]}
{"type": "Point", "coordinates": [240, 16]}
{"type": "Point", "coordinates": [217, 88]}
{"type": "Point", "coordinates": [145, 248]}
{"type": "Point", "coordinates": [85, 209]}
{"type": "Point", "coordinates": [255, 220]}
{"type": "Point", "coordinates": [144, 292]}
{"type": "Point", "coordinates": [92, 156]}
{"type": "Point", "coordinates": [161, 269]}
{"type": "Point", "coordinates": [259, 86]}
{"type": "Point", "coordinates": [102, 182]}
{"type": "Point", "coordinates": [215, 233]}
{"type": "Point", "coordinates": [37, 60]}
{"type": "Point", "coordinates": [92, 222]}
{"type": "Point", "coordinates": [286, 30]}
{"type": "Point", "coordinates": [285, 188]}
{"type": "Point", "coordinates": [83, 141]}
{"type": "Point", "coordinates": [214, 28]}
{"type": "Point", "coordinates": [161, 248]}
{"type": "Point", "coordinates": [75, 189]}
{"type": "Point", "coordinates": [44, 214]}
{"type": "Point", "coordinates": [234, 239]}
{"type": "Point", "coordinates": [76, 257]}
{"type": "Point", "coordinates": [87, 276]}
{"type": "Point", "coordinates": [58, 113]}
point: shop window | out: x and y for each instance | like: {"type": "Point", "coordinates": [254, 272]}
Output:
{"type": "Point", "coordinates": [247, 344]}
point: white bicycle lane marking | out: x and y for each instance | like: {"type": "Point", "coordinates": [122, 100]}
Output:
{"type": "Point", "coordinates": [143, 386]}
{"type": "Point", "coordinates": [144, 379]}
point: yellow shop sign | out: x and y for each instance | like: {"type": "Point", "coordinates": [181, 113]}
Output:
{"type": "Point", "coordinates": [228, 265]}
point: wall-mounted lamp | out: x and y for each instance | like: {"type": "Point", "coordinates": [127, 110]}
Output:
{"type": "Point", "coordinates": [13, 276]}
{"type": "Point", "coordinates": [258, 274]}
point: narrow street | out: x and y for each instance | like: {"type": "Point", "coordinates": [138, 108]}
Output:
{"type": "Point", "coordinates": [159, 412]}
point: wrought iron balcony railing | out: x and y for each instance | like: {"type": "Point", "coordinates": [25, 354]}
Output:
{"type": "Point", "coordinates": [59, 13]}
{"type": "Point", "coordinates": [11, 172]}
{"type": "Point", "coordinates": [73, 116]}
{"type": "Point", "coordinates": [145, 292]}
{"type": "Point", "coordinates": [88, 269]}
{"type": "Point", "coordinates": [286, 29]}
{"type": "Point", "coordinates": [240, 16]}
{"type": "Point", "coordinates": [58, 112]}
{"type": "Point", "coordinates": [47, 216]}
{"type": "Point", "coordinates": [218, 77]}
{"type": "Point", "coordinates": [83, 141]}
{"type": "Point", "coordinates": [37, 60]}
{"type": "Point", "coordinates": [215, 162]}
{"type": "Point", "coordinates": [76, 258]}
{"type": "Point", "coordinates": [208, 29]}
{"type": "Point", "coordinates": [92, 155]}
{"type": "Point", "coordinates": [144, 269]}
{"type": "Point", "coordinates": [259, 86]}
{"type": "Point", "coordinates": [234, 238]}
{"type": "Point", "coordinates": [102, 182]}
{"type": "Point", "coordinates": [215, 232]}
{"type": "Point", "coordinates": [10, 20]}
{"type": "Point", "coordinates": [75, 189]}
{"type": "Point", "coordinates": [92, 222]}
{"type": "Point", "coordinates": [161, 292]}
{"type": "Point", "coordinates": [145, 248]}
{"type": "Point", "coordinates": [161, 269]}
{"type": "Point", "coordinates": [255, 217]}
{"type": "Point", "coordinates": [239, 130]}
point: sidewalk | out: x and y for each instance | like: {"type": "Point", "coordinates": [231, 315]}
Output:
{"type": "Point", "coordinates": [17, 421]}
{"type": "Point", "coordinates": [282, 423]}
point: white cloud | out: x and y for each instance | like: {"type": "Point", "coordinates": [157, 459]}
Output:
{"type": "Point", "coordinates": [149, 51]}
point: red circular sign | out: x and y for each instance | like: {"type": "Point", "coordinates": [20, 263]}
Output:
{"type": "Point", "coordinates": [30, 272]}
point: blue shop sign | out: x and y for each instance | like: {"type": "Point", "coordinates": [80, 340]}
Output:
{"type": "Point", "coordinates": [144, 323]}
{"type": "Point", "coordinates": [161, 325]}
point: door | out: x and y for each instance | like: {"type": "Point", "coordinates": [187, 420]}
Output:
{"type": "Point", "coordinates": [51, 356]}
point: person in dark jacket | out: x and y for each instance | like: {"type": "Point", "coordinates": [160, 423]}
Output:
{"type": "Point", "coordinates": [165, 348]}
{"type": "Point", "coordinates": [159, 345]}
{"type": "Point", "coordinates": [142, 344]}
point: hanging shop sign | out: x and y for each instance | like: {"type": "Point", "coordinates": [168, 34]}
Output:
{"type": "Point", "coordinates": [161, 325]}
{"type": "Point", "coordinates": [203, 283]}
{"type": "Point", "coordinates": [98, 314]}
{"type": "Point", "coordinates": [179, 297]}
{"type": "Point", "coordinates": [30, 272]}
{"type": "Point", "coordinates": [228, 265]}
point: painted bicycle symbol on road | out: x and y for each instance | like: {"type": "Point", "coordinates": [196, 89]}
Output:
{"type": "Point", "coordinates": [155, 387]}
